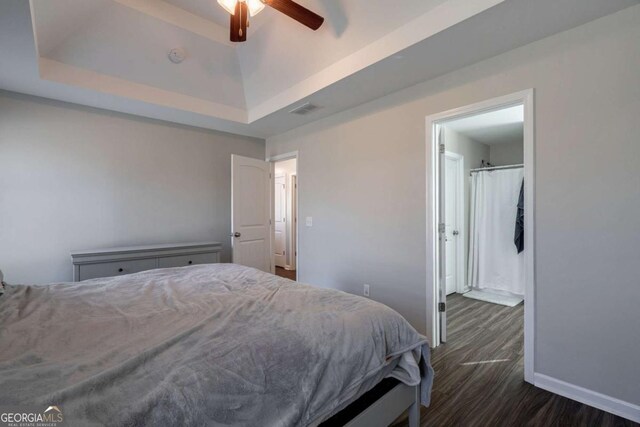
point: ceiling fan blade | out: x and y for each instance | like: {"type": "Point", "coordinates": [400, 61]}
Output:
{"type": "Point", "coordinates": [238, 23]}
{"type": "Point", "coordinates": [297, 12]}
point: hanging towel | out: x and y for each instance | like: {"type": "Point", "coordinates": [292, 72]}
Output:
{"type": "Point", "coordinates": [518, 238]}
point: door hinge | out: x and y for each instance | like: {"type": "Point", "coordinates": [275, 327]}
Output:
{"type": "Point", "coordinates": [269, 222]}
{"type": "Point", "coordinates": [441, 227]}
{"type": "Point", "coordinates": [284, 253]}
{"type": "Point", "coordinates": [442, 307]}
{"type": "Point", "coordinates": [441, 148]}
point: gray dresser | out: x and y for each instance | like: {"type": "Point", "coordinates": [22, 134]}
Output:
{"type": "Point", "coordinates": [118, 261]}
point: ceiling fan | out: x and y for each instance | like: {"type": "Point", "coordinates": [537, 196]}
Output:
{"type": "Point", "coordinates": [240, 11]}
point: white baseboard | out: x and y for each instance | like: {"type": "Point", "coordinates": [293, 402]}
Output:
{"type": "Point", "coordinates": [588, 397]}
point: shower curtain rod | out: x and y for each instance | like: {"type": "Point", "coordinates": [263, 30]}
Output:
{"type": "Point", "coordinates": [495, 168]}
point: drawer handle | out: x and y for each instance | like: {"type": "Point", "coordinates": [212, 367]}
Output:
{"type": "Point", "coordinates": [190, 262]}
{"type": "Point", "coordinates": [120, 270]}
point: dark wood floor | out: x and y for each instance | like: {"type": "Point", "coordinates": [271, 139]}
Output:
{"type": "Point", "coordinates": [480, 371]}
{"type": "Point", "coordinates": [289, 274]}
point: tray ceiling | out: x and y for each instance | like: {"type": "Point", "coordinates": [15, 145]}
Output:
{"type": "Point", "coordinates": [113, 53]}
{"type": "Point", "coordinates": [125, 43]}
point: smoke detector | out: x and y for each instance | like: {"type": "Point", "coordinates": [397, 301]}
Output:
{"type": "Point", "coordinates": [177, 55]}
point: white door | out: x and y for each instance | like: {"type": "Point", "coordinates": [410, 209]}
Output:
{"type": "Point", "coordinates": [250, 212]}
{"type": "Point", "coordinates": [280, 220]}
{"type": "Point", "coordinates": [451, 218]}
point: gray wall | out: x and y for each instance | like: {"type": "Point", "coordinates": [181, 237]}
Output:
{"type": "Point", "coordinates": [474, 153]}
{"type": "Point", "coordinates": [362, 177]}
{"type": "Point", "coordinates": [511, 153]}
{"type": "Point", "coordinates": [78, 178]}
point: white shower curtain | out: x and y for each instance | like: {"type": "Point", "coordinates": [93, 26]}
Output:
{"type": "Point", "coordinates": [494, 262]}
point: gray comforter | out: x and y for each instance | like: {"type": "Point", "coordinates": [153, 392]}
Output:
{"type": "Point", "coordinates": [216, 344]}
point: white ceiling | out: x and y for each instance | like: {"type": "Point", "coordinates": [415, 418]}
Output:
{"type": "Point", "coordinates": [494, 127]}
{"type": "Point", "coordinates": [208, 9]}
{"type": "Point", "coordinates": [112, 53]}
{"type": "Point", "coordinates": [133, 46]}
{"type": "Point", "coordinates": [284, 53]}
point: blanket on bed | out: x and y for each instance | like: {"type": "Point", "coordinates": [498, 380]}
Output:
{"type": "Point", "coordinates": [216, 344]}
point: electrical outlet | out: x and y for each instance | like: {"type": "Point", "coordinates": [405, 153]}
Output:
{"type": "Point", "coordinates": [366, 290]}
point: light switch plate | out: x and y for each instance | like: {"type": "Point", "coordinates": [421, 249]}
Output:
{"type": "Point", "coordinates": [309, 221]}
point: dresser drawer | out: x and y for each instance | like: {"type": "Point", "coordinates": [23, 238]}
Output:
{"type": "Point", "coordinates": [185, 260]}
{"type": "Point", "coordinates": [116, 268]}
{"type": "Point", "coordinates": [107, 262]}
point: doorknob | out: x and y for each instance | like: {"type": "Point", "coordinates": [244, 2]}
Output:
{"type": "Point", "coordinates": [236, 234]}
{"type": "Point", "coordinates": [456, 232]}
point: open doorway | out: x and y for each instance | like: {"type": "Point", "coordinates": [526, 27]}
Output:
{"type": "Point", "coordinates": [481, 234]}
{"type": "Point", "coordinates": [483, 183]}
{"type": "Point", "coordinates": [285, 217]}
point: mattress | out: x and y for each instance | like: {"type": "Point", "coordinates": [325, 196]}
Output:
{"type": "Point", "coordinates": [217, 344]}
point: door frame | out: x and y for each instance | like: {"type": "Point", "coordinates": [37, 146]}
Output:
{"type": "Point", "coordinates": [432, 168]}
{"type": "Point", "coordinates": [278, 158]}
{"type": "Point", "coordinates": [286, 189]}
{"type": "Point", "coordinates": [293, 211]}
{"type": "Point", "coordinates": [462, 236]}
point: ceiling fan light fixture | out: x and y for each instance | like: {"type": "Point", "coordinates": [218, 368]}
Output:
{"type": "Point", "coordinates": [254, 6]}
{"type": "Point", "coordinates": [240, 10]}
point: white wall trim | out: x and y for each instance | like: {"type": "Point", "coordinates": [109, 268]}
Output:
{"type": "Point", "coordinates": [293, 216]}
{"type": "Point", "coordinates": [59, 72]}
{"type": "Point", "coordinates": [525, 98]}
{"type": "Point", "coordinates": [273, 221]}
{"type": "Point", "coordinates": [588, 397]}
{"type": "Point", "coordinates": [272, 215]}
{"type": "Point", "coordinates": [285, 156]}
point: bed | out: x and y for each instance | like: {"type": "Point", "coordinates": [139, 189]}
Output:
{"type": "Point", "coordinates": [216, 344]}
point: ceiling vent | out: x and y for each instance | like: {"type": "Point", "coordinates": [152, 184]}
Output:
{"type": "Point", "coordinates": [305, 108]}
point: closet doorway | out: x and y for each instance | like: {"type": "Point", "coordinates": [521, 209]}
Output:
{"type": "Point", "coordinates": [480, 227]}
{"type": "Point", "coordinates": [285, 215]}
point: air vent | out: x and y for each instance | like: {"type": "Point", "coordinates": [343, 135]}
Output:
{"type": "Point", "coordinates": [305, 108]}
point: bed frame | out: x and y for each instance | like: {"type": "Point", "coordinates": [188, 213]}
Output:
{"type": "Point", "coordinates": [381, 406]}
{"type": "Point", "coordinates": [389, 407]}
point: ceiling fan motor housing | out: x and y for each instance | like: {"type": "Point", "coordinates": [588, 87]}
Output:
{"type": "Point", "coordinates": [239, 18]}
